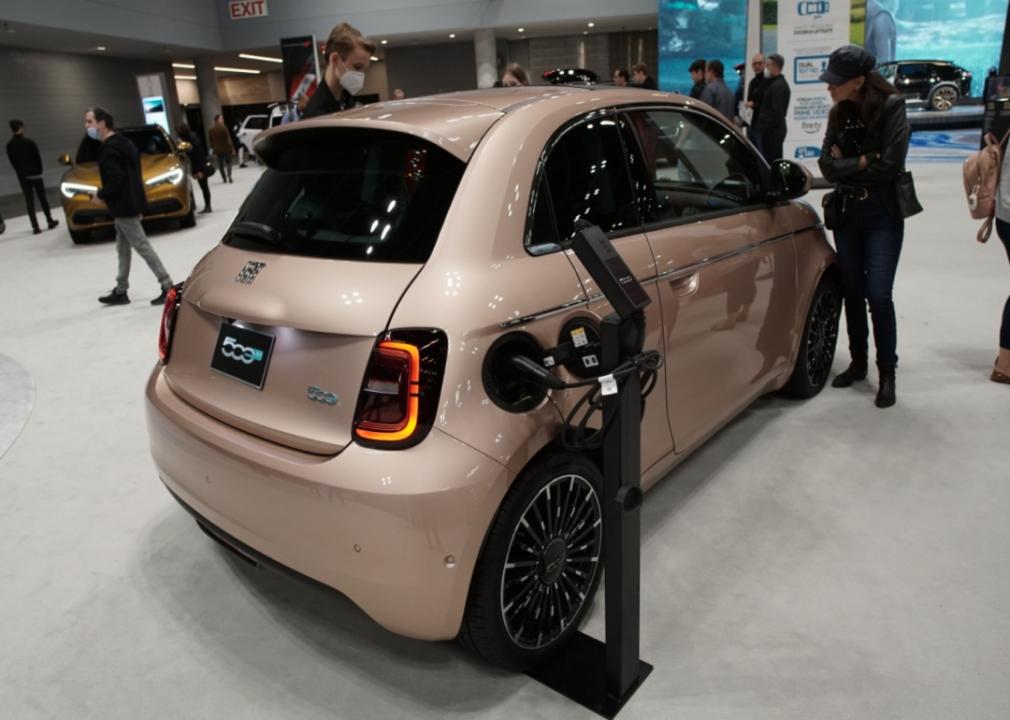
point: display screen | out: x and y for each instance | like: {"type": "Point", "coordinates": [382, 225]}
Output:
{"type": "Point", "coordinates": [700, 29]}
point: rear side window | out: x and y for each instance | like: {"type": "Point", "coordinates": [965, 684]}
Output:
{"type": "Point", "coordinates": [349, 194]}
{"type": "Point", "coordinates": [258, 122]}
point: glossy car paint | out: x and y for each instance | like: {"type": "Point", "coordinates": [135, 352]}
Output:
{"type": "Point", "coordinates": [151, 166]}
{"type": "Point", "coordinates": [294, 486]}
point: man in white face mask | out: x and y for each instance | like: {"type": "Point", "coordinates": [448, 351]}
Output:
{"type": "Point", "coordinates": [348, 55]}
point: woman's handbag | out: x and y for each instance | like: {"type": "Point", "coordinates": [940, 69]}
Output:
{"type": "Point", "coordinates": [832, 204]}
{"type": "Point", "coordinates": [908, 202]}
{"type": "Point", "coordinates": [209, 170]}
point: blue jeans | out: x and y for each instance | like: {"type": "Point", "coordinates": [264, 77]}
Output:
{"type": "Point", "coordinates": [1003, 230]}
{"type": "Point", "coordinates": [868, 245]}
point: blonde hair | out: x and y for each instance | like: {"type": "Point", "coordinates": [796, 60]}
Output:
{"type": "Point", "coordinates": [344, 38]}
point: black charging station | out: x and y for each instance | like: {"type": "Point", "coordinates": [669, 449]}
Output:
{"type": "Point", "coordinates": [603, 676]}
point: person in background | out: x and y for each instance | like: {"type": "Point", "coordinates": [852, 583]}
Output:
{"type": "Point", "coordinates": [241, 152]}
{"type": "Point", "coordinates": [123, 193]}
{"type": "Point", "coordinates": [221, 144]}
{"type": "Point", "coordinates": [621, 77]}
{"type": "Point", "coordinates": [640, 76]}
{"type": "Point", "coordinates": [716, 93]}
{"type": "Point", "coordinates": [398, 94]}
{"type": "Point", "coordinates": [514, 76]}
{"type": "Point", "coordinates": [24, 156]}
{"type": "Point", "coordinates": [771, 121]}
{"type": "Point", "coordinates": [752, 101]}
{"type": "Point", "coordinates": [697, 71]}
{"type": "Point", "coordinates": [197, 162]}
{"type": "Point", "coordinates": [1001, 369]}
{"type": "Point", "coordinates": [862, 155]}
{"type": "Point", "coordinates": [348, 57]}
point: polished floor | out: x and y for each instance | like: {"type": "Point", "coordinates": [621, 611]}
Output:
{"type": "Point", "coordinates": [819, 560]}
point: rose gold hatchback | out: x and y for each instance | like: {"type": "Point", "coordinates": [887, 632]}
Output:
{"type": "Point", "coordinates": [336, 393]}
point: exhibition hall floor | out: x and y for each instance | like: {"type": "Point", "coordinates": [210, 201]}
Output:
{"type": "Point", "coordinates": [820, 559]}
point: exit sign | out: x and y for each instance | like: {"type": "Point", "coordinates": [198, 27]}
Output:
{"type": "Point", "coordinates": [243, 9]}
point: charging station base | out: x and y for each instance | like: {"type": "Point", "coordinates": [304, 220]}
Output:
{"type": "Point", "coordinates": [580, 674]}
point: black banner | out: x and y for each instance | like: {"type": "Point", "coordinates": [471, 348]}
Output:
{"type": "Point", "coordinates": [301, 66]}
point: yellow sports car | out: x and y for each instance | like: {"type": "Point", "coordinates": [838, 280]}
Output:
{"type": "Point", "coordinates": [167, 182]}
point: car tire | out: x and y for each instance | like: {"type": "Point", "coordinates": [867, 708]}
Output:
{"type": "Point", "coordinates": [817, 347]}
{"type": "Point", "coordinates": [944, 98]}
{"type": "Point", "coordinates": [536, 576]}
{"type": "Point", "coordinates": [189, 220]}
{"type": "Point", "coordinates": [79, 236]}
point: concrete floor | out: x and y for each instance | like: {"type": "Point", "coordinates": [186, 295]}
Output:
{"type": "Point", "coordinates": [814, 560]}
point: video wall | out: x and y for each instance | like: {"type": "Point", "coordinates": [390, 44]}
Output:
{"type": "Point", "coordinates": [693, 29]}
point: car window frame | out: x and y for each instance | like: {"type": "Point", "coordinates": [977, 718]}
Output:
{"type": "Point", "coordinates": [764, 170]}
{"type": "Point", "coordinates": [548, 248]}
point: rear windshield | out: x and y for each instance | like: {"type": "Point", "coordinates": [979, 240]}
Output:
{"type": "Point", "coordinates": [149, 141]}
{"type": "Point", "coordinates": [350, 194]}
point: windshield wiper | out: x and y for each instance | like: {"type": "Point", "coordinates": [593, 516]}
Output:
{"type": "Point", "coordinates": [258, 231]}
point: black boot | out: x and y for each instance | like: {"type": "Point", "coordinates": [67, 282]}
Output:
{"type": "Point", "coordinates": [855, 372]}
{"type": "Point", "coordinates": [116, 297]}
{"type": "Point", "coordinates": [885, 393]}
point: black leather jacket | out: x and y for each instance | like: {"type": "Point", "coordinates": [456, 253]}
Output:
{"type": "Point", "coordinates": [886, 147]}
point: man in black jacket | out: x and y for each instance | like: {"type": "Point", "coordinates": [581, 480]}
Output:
{"type": "Point", "coordinates": [755, 93]}
{"type": "Point", "coordinates": [24, 156]}
{"type": "Point", "coordinates": [123, 192]}
{"type": "Point", "coordinates": [348, 56]}
{"type": "Point", "coordinates": [771, 122]}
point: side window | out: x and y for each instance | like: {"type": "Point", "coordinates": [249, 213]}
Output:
{"type": "Point", "coordinates": [697, 165]}
{"type": "Point", "coordinates": [913, 71]}
{"type": "Point", "coordinates": [588, 179]}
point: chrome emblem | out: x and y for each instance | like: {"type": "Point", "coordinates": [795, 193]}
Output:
{"type": "Point", "coordinates": [249, 272]}
{"type": "Point", "coordinates": [319, 395]}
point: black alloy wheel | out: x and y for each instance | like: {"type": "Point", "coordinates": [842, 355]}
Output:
{"type": "Point", "coordinates": [540, 566]}
{"type": "Point", "coordinates": [817, 347]}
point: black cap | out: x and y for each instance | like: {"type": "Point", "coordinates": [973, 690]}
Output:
{"type": "Point", "coordinates": [846, 63]}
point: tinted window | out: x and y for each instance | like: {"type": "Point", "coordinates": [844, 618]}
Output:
{"type": "Point", "coordinates": [149, 141]}
{"type": "Point", "coordinates": [350, 194]}
{"type": "Point", "coordinates": [887, 70]}
{"type": "Point", "coordinates": [913, 70]}
{"type": "Point", "coordinates": [697, 165]}
{"type": "Point", "coordinates": [588, 179]}
{"type": "Point", "coordinates": [258, 122]}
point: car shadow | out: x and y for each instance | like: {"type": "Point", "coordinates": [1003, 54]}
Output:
{"type": "Point", "coordinates": [271, 625]}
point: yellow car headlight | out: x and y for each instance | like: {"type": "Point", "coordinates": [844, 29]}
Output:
{"type": "Point", "coordinates": [70, 189]}
{"type": "Point", "coordinates": [173, 177]}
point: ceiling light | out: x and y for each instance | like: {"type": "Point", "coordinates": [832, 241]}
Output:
{"type": "Point", "coordinates": [585, 32]}
{"type": "Point", "coordinates": [522, 29]}
{"type": "Point", "coordinates": [374, 59]}
{"type": "Point", "coordinates": [590, 24]}
{"type": "Point", "coordinates": [184, 66]}
{"type": "Point", "coordinates": [100, 48]}
{"type": "Point", "coordinates": [185, 77]}
{"type": "Point", "coordinates": [384, 42]}
{"type": "Point", "coordinates": [262, 58]}
{"type": "Point", "coordinates": [236, 70]}
{"type": "Point", "coordinates": [452, 35]}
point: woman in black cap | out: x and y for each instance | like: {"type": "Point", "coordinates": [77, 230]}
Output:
{"type": "Point", "coordinates": [863, 154]}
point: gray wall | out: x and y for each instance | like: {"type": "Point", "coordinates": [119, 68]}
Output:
{"type": "Point", "coordinates": [601, 53]}
{"type": "Point", "coordinates": [430, 69]}
{"type": "Point", "coordinates": [50, 92]}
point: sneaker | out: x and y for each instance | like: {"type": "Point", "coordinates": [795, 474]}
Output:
{"type": "Point", "coordinates": [205, 210]}
{"type": "Point", "coordinates": [36, 231]}
{"type": "Point", "coordinates": [116, 297]}
{"type": "Point", "coordinates": [53, 223]}
{"type": "Point", "coordinates": [3, 226]}
{"type": "Point", "coordinates": [160, 300]}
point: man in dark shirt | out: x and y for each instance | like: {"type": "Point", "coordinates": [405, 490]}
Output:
{"type": "Point", "coordinates": [755, 91]}
{"type": "Point", "coordinates": [771, 122]}
{"type": "Point", "coordinates": [716, 93]}
{"type": "Point", "coordinates": [123, 193]}
{"type": "Point", "coordinates": [697, 71]}
{"type": "Point", "coordinates": [24, 156]}
{"type": "Point", "coordinates": [640, 76]}
{"type": "Point", "coordinates": [348, 56]}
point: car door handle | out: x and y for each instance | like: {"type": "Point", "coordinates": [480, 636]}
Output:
{"type": "Point", "coordinates": [685, 284]}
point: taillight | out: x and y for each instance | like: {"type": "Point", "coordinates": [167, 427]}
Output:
{"type": "Point", "coordinates": [399, 395]}
{"type": "Point", "coordinates": [167, 328]}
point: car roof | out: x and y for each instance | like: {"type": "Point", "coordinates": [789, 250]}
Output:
{"type": "Point", "coordinates": [457, 121]}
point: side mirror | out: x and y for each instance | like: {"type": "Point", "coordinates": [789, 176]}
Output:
{"type": "Point", "coordinates": [788, 180]}
{"type": "Point", "coordinates": [64, 159]}
{"type": "Point", "coordinates": [184, 146]}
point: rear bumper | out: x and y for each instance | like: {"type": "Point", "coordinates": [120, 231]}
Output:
{"type": "Point", "coordinates": [398, 532]}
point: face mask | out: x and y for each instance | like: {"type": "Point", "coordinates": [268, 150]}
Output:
{"type": "Point", "coordinates": [766, 73]}
{"type": "Point", "coordinates": [352, 81]}
{"type": "Point", "coordinates": [92, 133]}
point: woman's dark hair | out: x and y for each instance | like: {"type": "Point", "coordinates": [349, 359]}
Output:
{"type": "Point", "coordinates": [184, 131]}
{"type": "Point", "coordinates": [872, 96]}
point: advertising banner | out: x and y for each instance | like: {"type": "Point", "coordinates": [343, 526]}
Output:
{"type": "Point", "coordinates": [808, 30]}
{"type": "Point", "coordinates": [152, 97]}
{"type": "Point", "coordinates": [301, 66]}
{"type": "Point", "coordinates": [690, 30]}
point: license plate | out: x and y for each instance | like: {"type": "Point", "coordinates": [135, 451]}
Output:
{"type": "Point", "coordinates": [242, 354]}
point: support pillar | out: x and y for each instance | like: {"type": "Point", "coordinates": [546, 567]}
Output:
{"type": "Point", "coordinates": [486, 58]}
{"type": "Point", "coordinates": [206, 83]}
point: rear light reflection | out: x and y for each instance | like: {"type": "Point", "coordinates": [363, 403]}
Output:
{"type": "Point", "coordinates": [167, 328]}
